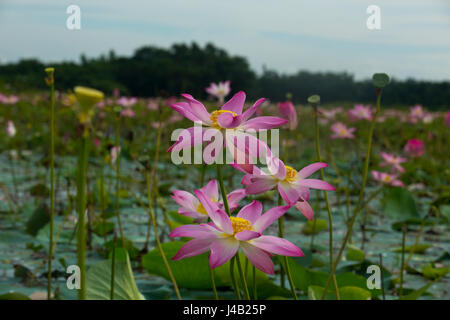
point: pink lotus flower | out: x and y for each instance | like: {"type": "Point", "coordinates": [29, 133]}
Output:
{"type": "Point", "coordinates": [190, 206]}
{"type": "Point", "coordinates": [415, 147]}
{"type": "Point", "coordinates": [114, 153]}
{"type": "Point", "coordinates": [220, 90]}
{"type": "Point", "coordinates": [128, 113]}
{"type": "Point", "coordinates": [127, 102]}
{"type": "Point", "coordinates": [360, 112]}
{"type": "Point", "coordinates": [428, 117]}
{"type": "Point", "coordinates": [8, 99]}
{"type": "Point", "coordinates": [342, 132]}
{"type": "Point", "coordinates": [287, 111]}
{"type": "Point", "coordinates": [11, 129]}
{"type": "Point", "coordinates": [229, 121]}
{"type": "Point", "coordinates": [389, 179]}
{"type": "Point", "coordinates": [293, 186]}
{"type": "Point", "coordinates": [225, 235]}
{"type": "Point", "coordinates": [393, 161]}
{"type": "Point", "coordinates": [447, 119]}
{"type": "Point", "coordinates": [416, 113]}
{"type": "Point", "coordinates": [152, 104]}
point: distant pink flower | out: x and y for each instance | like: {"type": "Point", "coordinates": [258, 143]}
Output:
{"type": "Point", "coordinates": [128, 113]}
{"type": "Point", "coordinates": [287, 111]}
{"type": "Point", "coordinates": [220, 90]}
{"type": "Point", "coordinates": [171, 100]}
{"type": "Point", "coordinates": [114, 153]}
{"type": "Point", "coordinates": [393, 161]}
{"type": "Point", "coordinates": [415, 147]}
{"type": "Point", "coordinates": [389, 179]}
{"type": "Point", "coordinates": [342, 132]}
{"type": "Point", "coordinates": [447, 119]}
{"type": "Point", "coordinates": [428, 117]}
{"type": "Point", "coordinates": [152, 104]}
{"type": "Point", "coordinates": [116, 93]}
{"type": "Point", "coordinates": [8, 99]}
{"type": "Point", "coordinates": [360, 112]}
{"type": "Point", "coordinates": [11, 129]}
{"type": "Point", "coordinates": [416, 113]}
{"type": "Point", "coordinates": [190, 206]}
{"type": "Point", "coordinates": [225, 235]}
{"type": "Point", "coordinates": [97, 143]}
{"type": "Point", "coordinates": [292, 185]}
{"type": "Point", "coordinates": [127, 102]}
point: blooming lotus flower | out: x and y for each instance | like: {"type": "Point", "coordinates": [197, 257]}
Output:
{"type": "Point", "coordinates": [386, 178]}
{"type": "Point", "coordinates": [292, 185]}
{"type": "Point", "coordinates": [190, 206]}
{"type": "Point", "coordinates": [287, 111]}
{"type": "Point", "coordinates": [12, 99]}
{"type": "Point", "coordinates": [342, 132]}
{"type": "Point", "coordinates": [393, 161]}
{"type": "Point", "coordinates": [127, 102]}
{"type": "Point", "coordinates": [415, 147]}
{"type": "Point", "coordinates": [447, 119]}
{"type": "Point", "coordinates": [152, 104]}
{"type": "Point", "coordinates": [11, 129]}
{"type": "Point", "coordinates": [128, 113]}
{"type": "Point", "coordinates": [360, 112]}
{"type": "Point", "coordinates": [428, 117]}
{"type": "Point", "coordinates": [416, 113]}
{"type": "Point", "coordinates": [220, 90]}
{"type": "Point", "coordinates": [225, 235]}
{"type": "Point", "coordinates": [230, 121]}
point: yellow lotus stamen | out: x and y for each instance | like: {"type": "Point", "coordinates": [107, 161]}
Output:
{"type": "Point", "coordinates": [343, 131]}
{"type": "Point", "coordinates": [240, 224]}
{"type": "Point", "coordinates": [387, 179]}
{"type": "Point", "coordinates": [215, 114]}
{"type": "Point", "coordinates": [291, 174]}
{"type": "Point", "coordinates": [201, 209]}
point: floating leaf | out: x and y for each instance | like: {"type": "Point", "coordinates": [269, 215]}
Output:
{"type": "Point", "coordinates": [310, 228]}
{"type": "Point", "coordinates": [98, 281]}
{"type": "Point", "coordinates": [399, 205]}
{"type": "Point", "coordinates": [314, 99]}
{"type": "Point", "coordinates": [354, 253]}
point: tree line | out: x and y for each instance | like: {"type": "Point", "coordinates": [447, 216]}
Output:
{"type": "Point", "coordinates": [154, 71]}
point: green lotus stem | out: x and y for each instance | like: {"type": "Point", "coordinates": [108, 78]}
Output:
{"type": "Point", "coordinates": [227, 209]}
{"type": "Point", "coordinates": [222, 189]}
{"type": "Point", "coordinates": [325, 195]}
{"type": "Point", "coordinates": [255, 293]}
{"type": "Point", "coordinates": [117, 208]}
{"type": "Point", "coordinates": [416, 242]}
{"type": "Point", "coordinates": [51, 81]}
{"type": "Point", "coordinates": [213, 282]}
{"type": "Point", "coordinates": [153, 172]}
{"type": "Point", "coordinates": [361, 193]}
{"type": "Point", "coordinates": [286, 269]}
{"type": "Point", "coordinates": [243, 280]}
{"type": "Point", "coordinates": [113, 269]}
{"type": "Point", "coordinates": [158, 243]}
{"type": "Point", "coordinates": [281, 235]}
{"type": "Point", "coordinates": [81, 208]}
{"type": "Point", "coordinates": [233, 279]}
{"type": "Point", "coordinates": [402, 268]}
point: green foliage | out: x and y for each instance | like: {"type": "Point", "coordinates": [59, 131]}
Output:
{"type": "Point", "coordinates": [399, 205]}
{"type": "Point", "coordinates": [99, 280]}
{"type": "Point", "coordinates": [315, 228]}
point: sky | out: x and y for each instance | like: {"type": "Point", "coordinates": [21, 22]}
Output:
{"type": "Point", "coordinates": [284, 35]}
